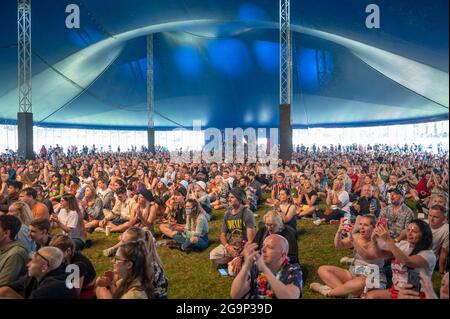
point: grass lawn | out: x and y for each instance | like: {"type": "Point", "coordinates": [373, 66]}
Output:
{"type": "Point", "coordinates": [193, 276]}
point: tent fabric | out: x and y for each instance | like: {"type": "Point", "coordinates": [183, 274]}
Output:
{"type": "Point", "coordinates": [218, 62]}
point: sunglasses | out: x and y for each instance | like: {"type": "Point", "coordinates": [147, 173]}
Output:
{"type": "Point", "coordinates": [116, 259]}
{"type": "Point", "coordinates": [42, 257]}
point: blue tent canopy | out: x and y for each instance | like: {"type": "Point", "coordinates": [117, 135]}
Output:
{"type": "Point", "coordinates": [218, 62]}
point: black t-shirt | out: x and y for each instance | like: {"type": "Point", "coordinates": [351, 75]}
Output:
{"type": "Point", "coordinates": [52, 286]}
{"type": "Point", "coordinates": [87, 270]}
{"type": "Point", "coordinates": [364, 205]}
{"type": "Point", "coordinates": [287, 233]}
{"type": "Point", "coordinates": [179, 215]}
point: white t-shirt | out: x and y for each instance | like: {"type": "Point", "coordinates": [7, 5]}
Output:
{"type": "Point", "coordinates": [440, 238]}
{"type": "Point", "coordinates": [400, 271]}
{"type": "Point", "coordinates": [70, 219]}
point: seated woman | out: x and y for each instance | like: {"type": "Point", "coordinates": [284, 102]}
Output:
{"type": "Point", "coordinates": [141, 212]}
{"type": "Point", "coordinates": [92, 207]}
{"type": "Point", "coordinates": [307, 200]}
{"type": "Point", "coordinates": [161, 195]}
{"type": "Point", "coordinates": [341, 282]}
{"type": "Point", "coordinates": [70, 220]}
{"type": "Point", "coordinates": [158, 279]}
{"type": "Point", "coordinates": [337, 202]}
{"type": "Point", "coordinates": [219, 193]}
{"type": "Point", "coordinates": [176, 216]}
{"type": "Point", "coordinates": [286, 208]}
{"type": "Point", "coordinates": [320, 182]}
{"type": "Point", "coordinates": [87, 276]}
{"type": "Point", "coordinates": [55, 188]}
{"type": "Point", "coordinates": [22, 211]}
{"type": "Point", "coordinates": [273, 224]}
{"type": "Point", "coordinates": [195, 234]}
{"type": "Point", "coordinates": [116, 176]}
{"type": "Point", "coordinates": [3, 184]}
{"type": "Point", "coordinates": [414, 254]}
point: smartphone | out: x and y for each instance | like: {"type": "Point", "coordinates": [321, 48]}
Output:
{"type": "Point", "coordinates": [414, 280]}
{"type": "Point", "coordinates": [383, 221]}
{"type": "Point", "coordinates": [223, 272]}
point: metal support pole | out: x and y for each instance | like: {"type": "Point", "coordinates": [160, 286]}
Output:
{"type": "Point", "coordinates": [285, 81]}
{"type": "Point", "coordinates": [150, 95]}
{"type": "Point", "coordinates": [25, 113]}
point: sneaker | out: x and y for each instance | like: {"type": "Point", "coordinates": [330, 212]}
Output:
{"type": "Point", "coordinates": [317, 222]}
{"type": "Point", "coordinates": [174, 246]}
{"type": "Point", "coordinates": [161, 243]}
{"type": "Point", "coordinates": [334, 222]}
{"type": "Point", "coordinates": [321, 289]}
{"type": "Point", "coordinates": [347, 260]}
{"type": "Point", "coordinates": [99, 230]}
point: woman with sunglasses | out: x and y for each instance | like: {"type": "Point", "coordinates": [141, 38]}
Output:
{"type": "Point", "coordinates": [160, 281]}
{"type": "Point", "coordinates": [132, 277]}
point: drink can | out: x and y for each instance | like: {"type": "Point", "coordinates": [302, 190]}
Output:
{"type": "Point", "coordinates": [107, 230]}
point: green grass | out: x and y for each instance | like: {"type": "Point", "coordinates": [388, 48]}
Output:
{"type": "Point", "coordinates": [193, 276]}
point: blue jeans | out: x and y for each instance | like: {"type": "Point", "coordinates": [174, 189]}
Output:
{"type": "Point", "coordinates": [185, 243]}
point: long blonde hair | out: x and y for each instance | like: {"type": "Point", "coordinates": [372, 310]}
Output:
{"type": "Point", "coordinates": [23, 212]}
{"type": "Point", "coordinates": [145, 235]}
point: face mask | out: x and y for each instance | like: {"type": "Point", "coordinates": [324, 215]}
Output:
{"type": "Point", "coordinates": [188, 211]}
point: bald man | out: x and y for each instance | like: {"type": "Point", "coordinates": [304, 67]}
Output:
{"type": "Point", "coordinates": [267, 273]}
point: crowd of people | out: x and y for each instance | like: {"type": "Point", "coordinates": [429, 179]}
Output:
{"type": "Point", "coordinates": [49, 207]}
